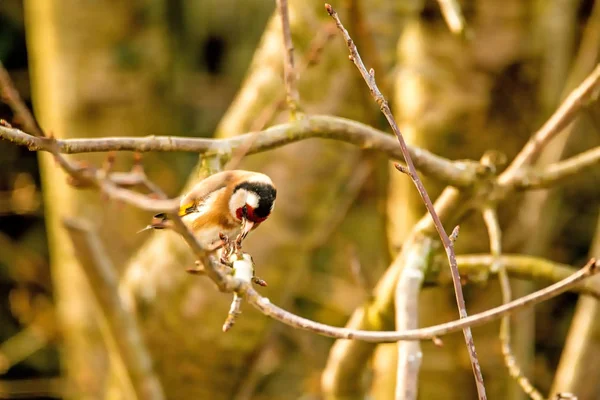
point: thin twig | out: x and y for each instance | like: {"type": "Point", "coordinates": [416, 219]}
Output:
{"type": "Point", "coordinates": [229, 284]}
{"type": "Point", "coordinates": [10, 95]}
{"type": "Point", "coordinates": [121, 321]}
{"type": "Point", "coordinates": [490, 218]}
{"type": "Point", "coordinates": [369, 77]}
{"type": "Point", "coordinates": [561, 118]}
{"type": "Point", "coordinates": [289, 72]}
{"type": "Point", "coordinates": [268, 308]}
{"type": "Point", "coordinates": [518, 266]}
{"type": "Point", "coordinates": [559, 171]}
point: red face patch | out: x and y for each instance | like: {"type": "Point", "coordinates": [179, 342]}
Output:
{"type": "Point", "coordinates": [248, 213]}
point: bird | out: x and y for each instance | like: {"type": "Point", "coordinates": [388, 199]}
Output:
{"type": "Point", "coordinates": [223, 207]}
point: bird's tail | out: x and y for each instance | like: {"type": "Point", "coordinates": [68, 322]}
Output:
{"type": "Point", "coordinates": [159, 221]}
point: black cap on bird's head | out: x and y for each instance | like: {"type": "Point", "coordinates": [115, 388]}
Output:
{"type": "Point", "coordinates": [253, 200]}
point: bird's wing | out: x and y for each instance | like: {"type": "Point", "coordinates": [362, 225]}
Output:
{"type": "Point", "coordinates": [202, 190]}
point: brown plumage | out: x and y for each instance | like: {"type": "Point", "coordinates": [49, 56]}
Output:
{"type": "Point", "coordinates": [230, 202]}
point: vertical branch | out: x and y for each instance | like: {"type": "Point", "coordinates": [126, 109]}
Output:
{"type": "Point", "coordinates": [491, 221]}
{"type": "Point", "coordinates": [291, 88]}
{"type": "Point", "coordinates": [407, 317]}
{"type": "Point", "coordinates": [369, 77]}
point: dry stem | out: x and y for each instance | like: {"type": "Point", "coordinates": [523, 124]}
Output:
{"type": "Point", "coordinates": [369, 77]}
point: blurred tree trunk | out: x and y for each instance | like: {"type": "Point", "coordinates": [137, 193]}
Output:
{"type": "Point", "coordinates": [97, 69]}
{"type": "Point", "coordinates": [460, 98]}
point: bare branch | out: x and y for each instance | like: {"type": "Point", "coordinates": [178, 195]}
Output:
{"type": "Point", "coordinates": [559, 171]}
{"type": "Point", "coordinates": [123, 330]}
{"type": "Point", "coordinates": [289, 72]}
{"type": "Point", "coordinates": [519, 266]}
{"type": "Point", "coordinates": [490, 218]}
{"type": "Point", "coordinates": [369, 77]}
{"type": "Point", "coordinates": [586, 92]}
{"type": "Point", "coordinates": [457, 173]}
{"type": "Point", "coordinates": [10, 95]}
{"type": "Point", "coordinates": [271, 310]}
{"type": "Point", "coordinates": [406, 301]}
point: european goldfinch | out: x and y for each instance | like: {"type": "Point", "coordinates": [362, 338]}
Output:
{"type": "Point", "coordinates": [226, 205]}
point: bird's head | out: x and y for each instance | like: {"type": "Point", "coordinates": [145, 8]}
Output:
{"type": "Point", "coordinates": [252, 201]}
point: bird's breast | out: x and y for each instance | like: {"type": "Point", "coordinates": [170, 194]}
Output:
{"type": "Point", "coordinates": [206, 229]}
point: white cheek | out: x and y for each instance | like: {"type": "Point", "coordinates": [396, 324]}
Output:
{"type": "Point", "coordinates": [237, 201]}
{"type": "Point", "coordinates": [252, 200]}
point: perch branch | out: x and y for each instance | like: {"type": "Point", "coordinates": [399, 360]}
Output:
{"type": "Point", "coordinates": [121, 322]}
{"type": "Point", "coordinates": [490, 218]}
{"type": "Point", "coordinates": [369, 77]}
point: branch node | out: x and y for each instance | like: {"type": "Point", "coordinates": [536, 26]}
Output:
{"type": "Point", "coordinates": [403, 169]}
{"type": "Point", "coordinates": [454, 234]}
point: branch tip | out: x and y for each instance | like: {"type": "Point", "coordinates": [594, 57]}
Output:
{"type": "Point", "coordinates": [329, 9]}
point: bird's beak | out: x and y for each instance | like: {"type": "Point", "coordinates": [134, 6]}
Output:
{"type": "Point", "coordinates": [247, 227]}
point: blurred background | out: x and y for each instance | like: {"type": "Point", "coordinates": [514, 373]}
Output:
{"type": "Point", "coordinates": [213, 68]}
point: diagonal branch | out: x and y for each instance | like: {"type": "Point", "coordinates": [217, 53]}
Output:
{"type": "Point", "coordinates": [369, 77]}
{"type": "Point", "coordinates": [122, 328]}
{"type": "Point", "coordinates": [566, 113]}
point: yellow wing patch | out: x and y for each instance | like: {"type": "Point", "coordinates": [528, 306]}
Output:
{"type": "Point", "coordinates": [186, 209]}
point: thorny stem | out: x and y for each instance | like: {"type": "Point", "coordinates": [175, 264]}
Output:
{"type": "Point", "coordinates": [289, 72]}
{"type": "Point", "coordinates": [490, 218]}
{"type": "Point", "coordinates": [369, 77]}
